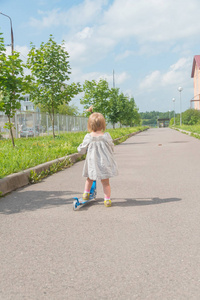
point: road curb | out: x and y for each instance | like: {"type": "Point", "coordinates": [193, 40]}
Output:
{"type": "Point", "coordinates": [18, 180]}
{"type": "Point", "coordinates": [185, 131]}
{"type": "Point", "coordinates": [127, 135]}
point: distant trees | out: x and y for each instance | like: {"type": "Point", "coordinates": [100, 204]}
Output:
{"type": "Point", "coordinates": [115, 106]}
{"type": "Point", "coordinates": [150, 118]}
{"type": "Point", "coordinates": [189, 117]}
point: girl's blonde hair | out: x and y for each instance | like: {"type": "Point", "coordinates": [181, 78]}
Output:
{"type": "Point", "coordinates": [96, 122]}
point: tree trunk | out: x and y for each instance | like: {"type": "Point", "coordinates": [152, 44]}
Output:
{"type": "Point", "coordinates": [51, 115]}
{"type": "Point", "coordinates": [53, 123]}
{"type": "Point", "coordinates": [11, 132]}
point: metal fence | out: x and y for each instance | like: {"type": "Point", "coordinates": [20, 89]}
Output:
{"type": "Point", "coordinates": [29, 124]}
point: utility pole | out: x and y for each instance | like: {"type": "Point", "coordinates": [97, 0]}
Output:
{"type": "Point", "coordinates": [12, 36]}
{"type": "Point", "coordinates": [180, 90]}
{"type": "Point", "coordinates": [113, 79]}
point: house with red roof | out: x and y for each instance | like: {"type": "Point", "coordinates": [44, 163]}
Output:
{"type": "Point", "coordinates": [196, 75]}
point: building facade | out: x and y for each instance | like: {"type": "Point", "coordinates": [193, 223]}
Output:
{"type": "Point", "coordinates": [196, 76]}
{"type": "Point", "coordinates": [26, 105]}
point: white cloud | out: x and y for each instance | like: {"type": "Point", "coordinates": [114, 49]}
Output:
{"type": "Point", "coordinates": [78, 75]}
{"type": "Point", "coordinates": [79, 15]}
{"type": "Point", "coordinates": [8, 50]}
{"type": "Point", "coordinates": [23, 50]}
{"type": "Point", "coordinates": [151, 81]}
{"type": "Point", "coordinates": [177, 74]}
{"type": "Point", "coordinates": [77, 51]}
{"type": "Point", "coordinates": [146, 21]}
{"type": "Point", "coordinates": [85, 33]}
{"type": "Point", "coordinates": [86, 12]}
{"type": "Point", "coordinates": [125, 54]}
{"type": "Point", "coordinates": [50, 18]}
{"type": "Point", "coordinates": [109, 31]}
{"type": "Point", "coordinates": [152, 20]}
{"type": "Point", "coordinates": [88, 47]}
{"type": "Point", "coordinates": [92, 28]}
{"type": "Point", "coordinates": [120, 78]}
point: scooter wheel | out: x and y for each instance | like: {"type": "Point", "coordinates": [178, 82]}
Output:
{"type": "Point", "coordinates": [75, 205]}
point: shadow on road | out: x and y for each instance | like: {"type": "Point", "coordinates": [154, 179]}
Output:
{"type": "Point", "coordinates": [128, 202]}
{"type": "Point", "coordinates": [33, 200]}
{"type": "Point", "coordinates": [134, 143]}
{"type": "Point", "coordinates": [143, 201]}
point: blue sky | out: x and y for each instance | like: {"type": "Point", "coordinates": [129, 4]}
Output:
{"type": "Point", "coordinates": [150, 44]}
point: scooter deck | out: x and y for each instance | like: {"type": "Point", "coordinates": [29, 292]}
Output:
{"type": "Point", "coordinates": [79, 202]}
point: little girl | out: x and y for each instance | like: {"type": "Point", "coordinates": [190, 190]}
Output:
{"type": "Point", "coordinates": [99, 163]}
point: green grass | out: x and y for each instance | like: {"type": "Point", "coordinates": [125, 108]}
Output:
{"type": "Point", "coordinates": [191, 128]}
{"type": "Point", "coordinates": [34, 151]}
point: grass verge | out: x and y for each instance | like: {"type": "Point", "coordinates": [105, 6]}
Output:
{"type": "Point", "coordinates": [34, 151]}
{"type": "Point", "coordinates": [191, 128]}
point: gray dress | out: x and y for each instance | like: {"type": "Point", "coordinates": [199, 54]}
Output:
{"type": "Point", "coordinates": [100, 162]}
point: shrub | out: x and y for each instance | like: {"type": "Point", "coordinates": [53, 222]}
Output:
{"type": "Point", "coordinates": [191, 117]}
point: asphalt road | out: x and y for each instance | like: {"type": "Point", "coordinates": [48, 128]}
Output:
{"type": "Point", "coordinates": [146, 246]}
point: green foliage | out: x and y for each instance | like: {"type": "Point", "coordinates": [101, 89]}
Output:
{"type": "Point", "coordinates": [35, 177]}
{"type": "Point", "coordinates": [50, 68]}
{"type": "Point", "coordinates": [13, 83]}
{"type": "Point", "coordinates": [70, 110]}
{"type": "Point", "coordinates": [130, 115]}
{"type": "Point", "coordinates": [2, 46]}
{"type": "Point", "coordinates": [8, 125]}
{"type": "Point", "coordinates": [34, 151]}
{"type": "Point", "coordinates": [171, 123]}
{"type": "Point", "coordinates": [190, 128]}
{"type": "Point", "coordinates": [114, 109]}
{"type": "Point", "coordinates": [63, 109]}
{"type": "Point", "coordinates": [121, 132]}
{"type": "Point", "coordinates": [115, 106]}
{"type": "Point", "coordinates": [191, 117]}
{"type": "Point", "coordinates": [96, 94]}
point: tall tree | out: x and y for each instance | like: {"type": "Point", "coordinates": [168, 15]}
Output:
{"type": "Point", "coordinates": [115, 106]}
{"type": "Point", "coordinates": [13, 83]}
{"type": "Point", "coordinates": [50, 67]}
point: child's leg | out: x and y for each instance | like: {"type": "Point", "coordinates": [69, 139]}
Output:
{"type": "Point", "coordinates": [88, 185]}
{"type": "Point", "coordinates": [107, 191]}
